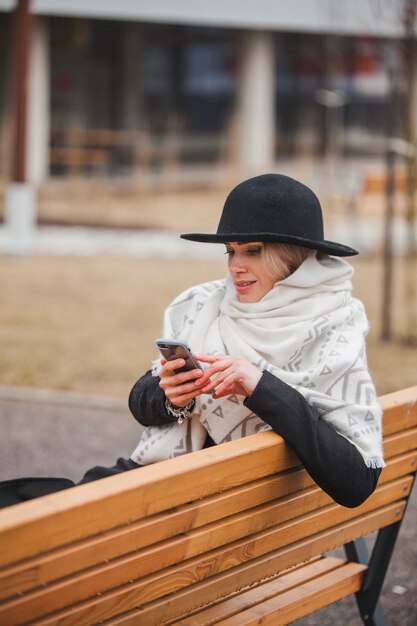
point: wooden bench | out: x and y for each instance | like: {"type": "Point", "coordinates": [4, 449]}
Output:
{"type": "Point", "coordinates": [231, 535]}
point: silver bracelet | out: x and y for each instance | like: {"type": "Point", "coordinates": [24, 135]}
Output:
{"type": "Point", "coordinates": [182, 412]}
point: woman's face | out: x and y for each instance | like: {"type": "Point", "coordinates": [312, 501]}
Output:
{"type": "Point", "coordinates": [251, 277]}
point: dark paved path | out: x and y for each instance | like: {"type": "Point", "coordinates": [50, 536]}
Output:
{"type": "Point", "coordinates": [63, 434]}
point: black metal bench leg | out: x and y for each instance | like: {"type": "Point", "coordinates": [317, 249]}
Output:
{"type": "Point", "coordinates": [368, 597]}
{"type": "Point", "coordinates": [377, 618]}
{"type": "Point", "coordinates": [357, 551]}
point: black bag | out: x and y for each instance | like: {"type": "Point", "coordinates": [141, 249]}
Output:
{"type": "Point", "coordinates": [22, 489]}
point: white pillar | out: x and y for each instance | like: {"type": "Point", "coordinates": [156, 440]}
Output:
{"type": "Point", "coordinates": [37, 161]}
{"type": "Point", "coordinates": [20, 217]}
{"type": "Point", "coordinates": [256, 103]}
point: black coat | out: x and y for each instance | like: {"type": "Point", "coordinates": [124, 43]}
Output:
{"type": "Point", "coordinates": [331, 460]}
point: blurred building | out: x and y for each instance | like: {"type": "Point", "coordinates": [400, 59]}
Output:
{"type": "Point", "coordinates": [120, 87]}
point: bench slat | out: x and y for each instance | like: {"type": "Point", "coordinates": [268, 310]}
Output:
{"type": "Point", "coordinates": [400, 410]}
{"type": "Point", "coordinates": [99, 548]}
{"type": "Point", "coordinates": [211, 539]}
{"type": "Point", "coordinates": [397, 420]}
{"type": "Point", "coordinates": [171, 608]}
{"type": "Point", "coordinates": [399, 466]}
{"type": "Point", "coordinates": [291, 605]}
{"type": "Point", "coordinates": [175, 550]}
{"type": "Point", "coordinates": [400, 442]}
{"type": "Point", "coordinates": [246, 598]}
{"type": "Point", "coordinates": [66, 561]}
{"type": "Point", "coordinates": [31, 528]}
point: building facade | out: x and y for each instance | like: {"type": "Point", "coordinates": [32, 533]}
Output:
{"type": "Point", "coordinates": [117, 88]}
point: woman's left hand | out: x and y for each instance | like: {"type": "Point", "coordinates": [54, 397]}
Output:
{"type": "Point", "coordinates": [233, 375]}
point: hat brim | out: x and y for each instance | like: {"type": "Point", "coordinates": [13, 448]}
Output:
{"type": "Point", "coordinates": [331, 247]}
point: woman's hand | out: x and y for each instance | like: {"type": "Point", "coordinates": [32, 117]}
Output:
{"type": "Point", "coordinates": [179, 388]}
{"type": "Point", "coordinates": [232, 375]}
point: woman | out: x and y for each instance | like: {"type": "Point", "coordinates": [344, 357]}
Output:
{"type": "Point", "coordinates": [282, 341]}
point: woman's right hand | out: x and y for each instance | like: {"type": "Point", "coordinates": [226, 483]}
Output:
{"type": "Point", "coordinates": [179, 388]}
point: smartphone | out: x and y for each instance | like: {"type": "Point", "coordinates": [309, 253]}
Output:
{"type": "Point", "coordinates": [171, 349]}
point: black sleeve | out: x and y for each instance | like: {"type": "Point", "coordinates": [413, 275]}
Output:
{"type": "Point", "coordinates": [330, 459]}
{"type": "Point", "coordinates": [147, 402]}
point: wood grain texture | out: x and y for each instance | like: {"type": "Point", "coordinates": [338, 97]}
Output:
{"type": "Point", "coordinates": [243, 600]}
{"type": "Point", "coordinates": [115, 543]}
{"type": "Point", "coordinates": [195, 570]}
{"type": "Point", "coordinates": [32, 528]}
{"type": "Point", "coordinates": [101, 549]}
{"type": "Point", "coordinates": [174, 607]}
{"type": "Point", "coordinates": [292, 604]}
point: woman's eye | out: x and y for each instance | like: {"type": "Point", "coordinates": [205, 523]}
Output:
{"type": "Point", "coordinates": [249, 252]}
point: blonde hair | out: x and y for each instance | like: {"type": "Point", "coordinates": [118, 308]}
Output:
{"type": "Point", "coordinates": [282, 259]}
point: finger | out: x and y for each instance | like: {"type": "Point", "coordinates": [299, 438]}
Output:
{"type": "Point", "coordinates": [224, 385]}
{"type": "Point", "coordinates": [219, 366]}
{"type": "Point", "coordinates": [170, 366]}
{"type": "Point", "coordinates": [213, 384]}
{"type": "Point", "coordinates": [185, 377]}
{"type": "Point", "coordinates": [170, 389]}
{"type": "Point", "coordinates": [182, 377]}
{"type": "Point", "coordinates": [200, 377]}
{"type": "Point", "coordinates": [220, 394]}
{"type": "Point", "coordinates": [177, 380]}
{"type": "Point", "coordinates": [202, 380]}
{"type": "Point", "coordinates": [175, 390]}
{"type": "Point", "coordinates": [234, 384]}
{"type": "Point", "coordinates": [183, 399]}
{"type": "Point", "coordinates": [209, 358]}
{"type": "Point", "coordinates": [225, 366]}
{"type": "Point", "coordinates": [228, 387]}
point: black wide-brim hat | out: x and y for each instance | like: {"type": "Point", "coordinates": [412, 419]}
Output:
{"type": "Point", "coordinates": [273, 208]}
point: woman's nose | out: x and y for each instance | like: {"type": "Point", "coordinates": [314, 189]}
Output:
{"type": "Point", "coordinates": [236, 264]}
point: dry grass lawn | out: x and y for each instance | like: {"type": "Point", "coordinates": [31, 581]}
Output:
{"type": "Point", "coordinates": [88, 324]}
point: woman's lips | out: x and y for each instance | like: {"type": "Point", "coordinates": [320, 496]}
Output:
{"type": "Point", "coordinates": [244, 285]}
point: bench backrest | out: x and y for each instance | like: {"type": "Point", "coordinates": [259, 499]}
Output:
{"type": "Point", "coordinates": [155, 544]}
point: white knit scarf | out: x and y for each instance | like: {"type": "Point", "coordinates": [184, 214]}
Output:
{"type": "Point", "coordinates": [307, 330]}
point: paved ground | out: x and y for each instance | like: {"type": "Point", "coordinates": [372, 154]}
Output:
{"type": "Point", "coordinates": [63, 434]}
{"type": "Point", "coordinates": [49, 433]}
